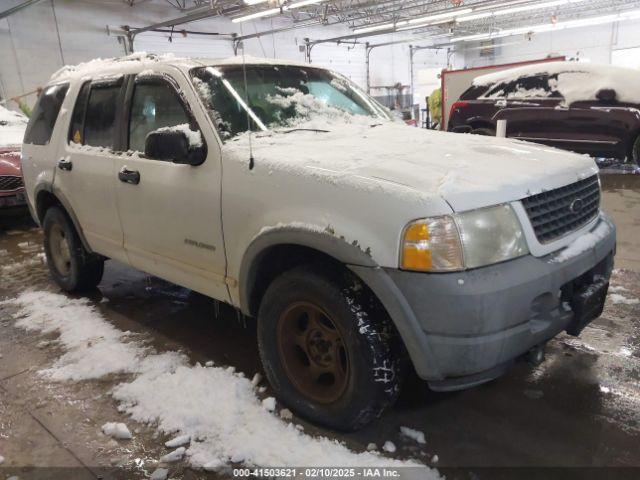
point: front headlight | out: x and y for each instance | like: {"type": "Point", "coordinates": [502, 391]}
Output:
{"type": "Point", "coordinates": [467, 240]}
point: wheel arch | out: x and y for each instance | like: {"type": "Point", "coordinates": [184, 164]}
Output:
{"type": "Point", "coordinates": [46, 197]}
{"type": "Point", "coordinates": [281, 249]}
{"type": "Point", "coordinates": [277, 251]}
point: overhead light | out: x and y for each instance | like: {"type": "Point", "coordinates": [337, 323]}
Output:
{"type": "Point", "coordinates": [441, 16]}
{"type": "Point", "coordinates": [260, 14]}
{"type": "Point", "coordinates": [374, 28]}
{"type": "Point", "coordinates": [548, 27]}
{"type": "Point", "coordinates": [429, 24]}
{"type": "Point", "coordinates": [516, 9]}
{"type": "Point", "coordinates": [301, 3]}
{"type": "Point", "coordinates": [273, 11]}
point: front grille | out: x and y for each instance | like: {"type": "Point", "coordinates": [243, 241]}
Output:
{"type": "Point", "coordinates": [558, 212]}
{"type": "Point", "coordinates": [10, 182]}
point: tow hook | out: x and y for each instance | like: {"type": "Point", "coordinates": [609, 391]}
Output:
{"type": "Point", "coordinates": [536, 355]}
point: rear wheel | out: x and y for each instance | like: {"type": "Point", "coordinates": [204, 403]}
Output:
{"type": "Point", "coordinates": [71, 266]}
{"type": "Point", "coordinates": [327, 349]}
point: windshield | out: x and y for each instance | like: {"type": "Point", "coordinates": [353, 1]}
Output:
{"type": "Point", "coordinates": [278, 96]}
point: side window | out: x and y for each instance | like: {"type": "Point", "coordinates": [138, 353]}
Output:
{"type": "Point", "coordinates": [76, 129]}
{"type": "Point", "coordinates": [155, 105]}
{"type": "Point", "coordinates": [100, 118]}
{"type": "Point", "coordinates": [44, 115]}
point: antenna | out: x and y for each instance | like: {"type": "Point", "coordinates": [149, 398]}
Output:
{"type": "Point", "coordinates": [246, 101]}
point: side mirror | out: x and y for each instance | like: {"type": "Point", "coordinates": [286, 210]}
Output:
{"type": "Point", "coordinates": [173, 145]}
{"type": "Point", "coordinates": [607, 95]}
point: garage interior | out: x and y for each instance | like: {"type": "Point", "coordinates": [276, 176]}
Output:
{"type": "Point", "coordinates": [574, 415]}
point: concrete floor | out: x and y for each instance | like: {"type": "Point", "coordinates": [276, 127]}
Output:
{"type": "Point", "coordinates": [580, 408]}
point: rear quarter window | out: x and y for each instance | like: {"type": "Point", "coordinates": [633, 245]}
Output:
{"type": "Point", "coordinates": [44, 115]}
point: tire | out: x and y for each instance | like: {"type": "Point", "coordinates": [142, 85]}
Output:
{"type": "Point", "coordinates": [343, 329]}
{"type": "Point", "coordinates": [71, 266]}
{"type": "Point", "coordinates": [483, 131]}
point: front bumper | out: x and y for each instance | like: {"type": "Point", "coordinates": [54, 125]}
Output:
{"type": "Point", "coordinates": [465, 328]}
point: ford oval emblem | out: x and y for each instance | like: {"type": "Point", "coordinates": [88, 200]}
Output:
{"type": "Point", "coordinates": [576, 206]}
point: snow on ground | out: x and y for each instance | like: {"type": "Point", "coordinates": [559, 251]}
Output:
{"type": "Point", "coordinates": [215, 407]}
{"type": "Point", "coordinates": [617, 298]}
{"type": "Point", "coordinates": [416, 435]}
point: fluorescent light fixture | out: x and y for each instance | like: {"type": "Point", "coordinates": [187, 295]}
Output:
{"type": "Point", "coordinates": [273, 11]}
{"type": "Point", "coordinates": [516, 9]}
{"type": "Point", "coordinates": [375, 28]}
{"type": "Point", "coordinates": [260, 14]}
{"type": "Point", "coordinates": [441, 16]}
{"type": "Point", "coordinates": [301, 3]}
{"type": "Point", "coordinates": [549, 27]}
{"type": "Point", "coordinates": [413, 27]}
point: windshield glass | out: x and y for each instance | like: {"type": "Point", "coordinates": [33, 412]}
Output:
{"type": "Point", "coordinates": [278, 96]}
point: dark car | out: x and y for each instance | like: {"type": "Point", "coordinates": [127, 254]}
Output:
{"type": "Point", "coordinates": [12, 197]}
{"type": "Point", "coordinates": [582, 107]}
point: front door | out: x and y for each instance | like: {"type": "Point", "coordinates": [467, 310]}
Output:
{"type": "Point", "coordinates": [171, 213]}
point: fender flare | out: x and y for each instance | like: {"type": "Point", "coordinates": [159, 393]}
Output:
{"type": "Point", "coordinates": [48, 187]}
{"type": "Point", "coordinates": [322, 241]}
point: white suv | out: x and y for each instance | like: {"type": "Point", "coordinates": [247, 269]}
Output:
{"type": "Point", "coordinates": [287, 192]}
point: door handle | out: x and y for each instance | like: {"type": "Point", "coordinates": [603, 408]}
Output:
{"type": "Point", "coordinates": [64, 164]}
{"type": "Point", "coordinates": [129, 176]}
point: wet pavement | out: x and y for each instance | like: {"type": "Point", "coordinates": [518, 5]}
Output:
{"type": "Point", "coordinates": [579, 409]}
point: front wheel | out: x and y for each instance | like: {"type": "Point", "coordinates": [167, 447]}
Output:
{"type": "Point", "coordinates": [327, 349]}
{"type": "Point", "coordinates": [71, 266]}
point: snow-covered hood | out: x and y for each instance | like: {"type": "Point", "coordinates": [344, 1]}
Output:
{"type": "Point", "coordinates": [467, 171]}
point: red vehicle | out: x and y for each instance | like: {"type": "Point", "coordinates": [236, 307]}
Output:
{"type": "Point", "coordinates": [12, 196]}
{"type": "Point", "coordinates": [586, 108]}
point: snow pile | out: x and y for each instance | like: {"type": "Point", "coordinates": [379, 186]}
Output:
{"type": "Point", "coordinates": [116, 430]}
{"type": "Point", "coordinates": [616, 298]}
{"type": "Point", "coordinates": [310, 111]}
{"type": "Point", "coordinates": [193, 137]}
{"type": "Point", "coordinates": [99, 64]}
{"type": "Point", "coordinates": [575, 81]}
{"type": "Point", "coordinates": [94, 348]}
{"type": "Point", "coordinates": [214, 407]}
{"type": "Point", "coordinates": [12, 127]}
{"type": "Point", "coordinates": [584, 243]}
{"type": "Point", "coordinates": [178, 441]}
{"type": "Point", "coordinates": [416, 435]}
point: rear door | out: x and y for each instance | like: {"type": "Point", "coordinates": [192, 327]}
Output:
{"type": "Point", "coordinates": [85, 169]}
{"type": "Point", "coordinates": [172, 216]}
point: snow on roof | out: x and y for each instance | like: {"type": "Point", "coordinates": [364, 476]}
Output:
{"type": "Point", "coordinates": [146, 61]}
{"type": "Point", "coordinates": [576, 80]}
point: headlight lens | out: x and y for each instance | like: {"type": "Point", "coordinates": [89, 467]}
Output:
{"type": "Point", "coordinates": [491, 235]}
{"type": "Point", "coordinates": [432, 245]}
{"type": "Point", "coordinates": [468, 240]}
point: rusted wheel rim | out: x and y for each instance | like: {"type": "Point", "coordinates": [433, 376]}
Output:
{"type": "Point", "coordinates": [313, 352]}
{"type": "Point", "coordinates": [60, 251]}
